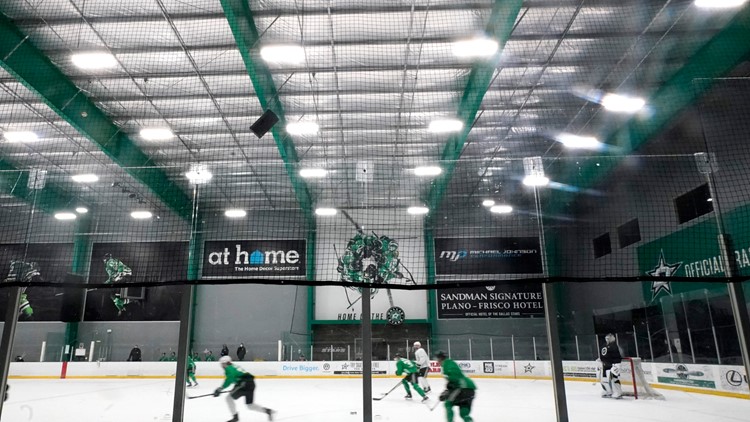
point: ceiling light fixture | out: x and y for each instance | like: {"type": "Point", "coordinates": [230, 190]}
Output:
{"type": "Point", "coordinates": [302, 128]}
{"type": "Point", "coordinates": [488, 203]}
{"type": "Point", "coordinates": [199, 175]}
{"type": "Point", "coordinates": [85, 178]}
{"type": "Point", "coordinates": [535, 180]}
{"type": "Point", "coordinates": [475, 47]}
{"type": "Point", "coordinates": [283, 54]}
{"type": "Point", "coordinates": [20, 136]}
{"type": "Point", "coordinates": [82, 210]}
{"type": "Point", "coordinates": [94, 61]}
{"type": "Point", "coordinates": [156, 134]}
{"type": "Point", "coordinates": [326, 211]}
{"type": "Point", "coordinates": [501, 209]}
{"type": "Point", "coordinates": [417, 210]}
{"type": "Point", "coordinates": [65, 216]}
{"type": "Point", "coordinates": [578, 142]}
{"type": "Point", "coordinates": [141, 215]}
{"type": "Point", "coordinates": [719, 4]}
{"type": "Point", "coordinates": [428, 171]}
{"type": "Point", "coordinates": [313, 173]}
{"type": "Point", "coordinates": [622, 103]}
{"type": "Point", "coordinates": [445, 126]}
{"type": "Point", "coordinates": [235, 213]}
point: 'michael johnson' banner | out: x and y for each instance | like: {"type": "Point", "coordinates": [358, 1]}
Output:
{"type": "Point", "coordinates": [488, 257]}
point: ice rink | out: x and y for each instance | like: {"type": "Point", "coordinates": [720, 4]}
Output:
{"type": "Point", "coordinates": [332, 400]}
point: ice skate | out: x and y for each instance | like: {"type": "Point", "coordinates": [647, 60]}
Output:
{"type": "Point", "coordinates": [235, 418]}
{"type": "Point", "coordinates": [425, 399]}
{"type": "Point", "coordinates": [407, 397]}
{"type": "Point", "coordinates": [270, 413]}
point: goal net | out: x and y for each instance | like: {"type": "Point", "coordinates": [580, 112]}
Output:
{"type": "Point", "coordinates": [633, 380]}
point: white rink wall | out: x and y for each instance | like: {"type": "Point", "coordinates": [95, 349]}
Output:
{"type": "Point", "coordinates": [725, 380]}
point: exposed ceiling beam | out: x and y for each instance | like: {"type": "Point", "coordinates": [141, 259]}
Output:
{"type": "Point", "coordinates": [37, 73]}
{"type": "Point", "coordinates": [715, 59]}
{"type": "Point", "coordinates": [500, 26]}
{"type": "Point", "coordinates": [242, 23]}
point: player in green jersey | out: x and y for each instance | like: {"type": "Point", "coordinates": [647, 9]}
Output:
{"type": "Point", "coordinates": [116, 271]}
{"type": "Point", "coordinates": [191, 381]}
{"type": "Point", "coordinates": [244, 385]}
{"type": "Point", "coordinates": [459, 391]}
{"type": "Point", "coordinates": [411, 370]}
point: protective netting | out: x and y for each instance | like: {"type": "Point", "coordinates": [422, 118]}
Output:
{"type": "Point", "coordinates": [269, 146]}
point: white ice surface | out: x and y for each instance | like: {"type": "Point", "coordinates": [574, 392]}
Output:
{"type": "Point", "coordinates": [331, 400]}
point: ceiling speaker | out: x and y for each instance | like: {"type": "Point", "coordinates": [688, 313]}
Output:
{"type": "Point", "coordinates": [264, 124]}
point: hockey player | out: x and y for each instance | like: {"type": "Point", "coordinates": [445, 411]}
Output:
{"type": "Point", "coordinates": [191, 381]}
{"type": "Point", "coordinates": [459, 390]}
{"type": "Point", "coordinates": [405, 366]}
{"type": "Point", "coordinates": [610, 358]}
{"type": "Point", "coordinates": [423, 362]}
{"type": "Point", "coordinates": [24, 271]}
{"type": "Point", "coordinates": [116, 272]}
{"type": "Point", "coordinates": [244, 385]}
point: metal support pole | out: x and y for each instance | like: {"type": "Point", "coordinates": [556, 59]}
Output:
{"type": "Point", "coordinates": [666, 331]}
{"type": "Point", "coordinates": [348, 352]}
{"type": "Point", "coordinates": [43, 351]}
{"type": "Point", "coordinates": [331, 352]}
{"type": "Point", "coordinates": [407, 348]}
{"type": "Point", "coordinates": [471, 356]}
{"type": "Point", "coordinates": [713, 328]}
{"type": "Point", "coordinates": [388, 351]}
{"type": "Point", "coordinates": [736, 293]}
{"type": "Point", "coordinates": [635, 341]}
{"type": "Point", "coordinates": [492, 352]}
{"type": "Point", "coordinates": [650, 343]}
{"type": "Point", "coordinates": [449, 349]}
{"type": "Point", "coordinates": [533, 341]}
{"type": "Point", "coordinates": [687, 325]}
{"type": "Point", "coordinates": [366, 357]}
{"type": "Point", "coordinates": [513, 346]}
{"type": "Point", "coordinates": [9, 334]}
{"type": "Point", "coordinates": [578, 350]}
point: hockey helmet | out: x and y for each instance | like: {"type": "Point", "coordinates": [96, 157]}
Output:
{"type": "Point", "coordinates": [225, 360]}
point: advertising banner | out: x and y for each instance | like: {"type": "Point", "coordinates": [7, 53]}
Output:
{"type": "Point", "coordinates": [487, 255]}
{"type": "Point", "coordinates": [700, 376]}
{"type": "Point", "coordinates": [254, 258]}
{"type": "Point", "coordinates": [123, 263]}
{"type": "Point", "coordinates": [37, 261]}
{"type": "Point", "coordinates": [513, 299]}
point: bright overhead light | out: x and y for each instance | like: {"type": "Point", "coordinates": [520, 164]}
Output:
{"type": "Point", "coordinates": [82, 210]}
{"type": "Point", "coordinates": [501, 209]}
{"type": "Point", "coordinates": [85, 178]}
{"type": "Point", "coordinates": [302, 128]}
{"type": "Point", "coordinates": [141, 215]}
{"type": "Point", "coordinates": [235, 213]}
{"type": "Point", "coordinates": [719, 4]}
{"type": "Point", "coordinates": [428, 171]}
{"type": "Point", "coordinates": [156, 134]}
{"type": "Point", "coordinates": [199, 175]}
{"type": "Point", "coordinates": [313, 173]}
{"type": "Point", "coordinates": [488, 203]}
{"type": "Point", "coordinates": [326, 211]}
{"type": "Point", "coordinates": [445, 125]}
{"type": "Point", "coordinates": [418, 210]}
{"type": "Point", "coordinates": [283, 54]}
{"type": "Point", "coordinates": [93, 61]}
{"type": "Point", "coordinates": [20, 136]}
{"type": "Point", "coordinates": [65, 216]}
{"type": "Point", "coordinates": [578, 142]}
{"type": "Point", "coordinates": [476, 47]}
{"type": "Point", "coordinates": [622, 104]}
{"type": "Point", "coordinates": [535, 180]}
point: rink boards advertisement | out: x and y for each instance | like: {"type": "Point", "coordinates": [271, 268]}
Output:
{"type": "Point", "coordinates": [512, 299]}
{"type": "Point", "coordinates": [254, 258]}
{"type": "Point", "coordinates": [487, 256]}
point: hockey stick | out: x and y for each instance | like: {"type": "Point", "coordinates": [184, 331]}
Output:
{"type": "Point", "coordinates": [389, 392]}
{"type": "Point", "coordinates": [206, 395]}
{"type": "Point", "coordinates": [432, 406]}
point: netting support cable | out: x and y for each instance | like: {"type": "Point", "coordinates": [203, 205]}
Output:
{"type": "Point", "coordinates": [736, 293]}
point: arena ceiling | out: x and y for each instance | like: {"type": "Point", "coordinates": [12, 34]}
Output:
{"type": "Point", "coordinates": [372, 75]}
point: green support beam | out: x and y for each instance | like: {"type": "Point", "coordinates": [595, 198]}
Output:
{"type": "Point", "coordinates": [246, 35]}
{"type": "Point", "coordinates": [37, 73]}
{"type": "Point", "coordinates": [500, 26]}
{"type": "Point", "coordinates": [715, 59]}
{"type": "Point", "coordinates": [14, 181]}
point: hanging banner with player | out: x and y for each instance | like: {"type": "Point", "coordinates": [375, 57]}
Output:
{"type": "Point", "coordinates": [123, 263]}
{"type": "Point", "coordinates": [487, 255]}
{"type": "Point", "coordinates": [511, 299]}
{"type": "Point", "coordinates": [36, 262]}
{"type": "Point", "coordinates": [254, 258]}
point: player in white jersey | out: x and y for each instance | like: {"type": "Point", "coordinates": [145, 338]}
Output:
{"type": "Point", "coordinates": [423, 362]}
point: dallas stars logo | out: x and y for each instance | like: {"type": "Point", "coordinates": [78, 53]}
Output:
{"type": "Point", "coordinates": [662, 269]}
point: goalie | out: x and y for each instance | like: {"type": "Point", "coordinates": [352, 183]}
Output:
{"type": "Point", "coordinates": [610, 358]}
